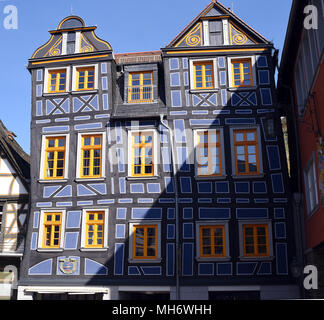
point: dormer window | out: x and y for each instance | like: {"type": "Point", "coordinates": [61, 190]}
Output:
{"type": "Point", "coordinates": [141, 83]}
{"type": "Point", "coordinates": [140, 88]}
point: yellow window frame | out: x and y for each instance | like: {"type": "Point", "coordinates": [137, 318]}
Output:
{"type": "Point", "coordinates": [96, 224]}
{"type": "Point", "coordinates": [205, 83]}
{"type": "Point", "coordinates": [255, 240]}
{"type": "Point", "coordinates": [212, 244]}
{"type": "Point", "coordinates": [58, 77]}
{"type": "Point", "coordinates": [145, 242]}
{"type": "Point", "coordinates": [56, 149]}
{"type": "Point", "coordinates": [143, 146]}
{"type": "Point", "coordinates": [245, 143]}
{"type": "Point", "coordinates": [209, 145]}
{"type": "Point", "coordinates": [88, 85]}
{"type": "Point", "coordinates": [91, 148]}
{"type": "Point", "coordinates": [242, 73]}
{"type": "Point", "coordinates": [142, 91]}
{"type": "Point", "coordinates": [50, 234]}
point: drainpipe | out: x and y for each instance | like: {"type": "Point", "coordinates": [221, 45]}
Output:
{"type": "Point", "coordinates": [174, 170]}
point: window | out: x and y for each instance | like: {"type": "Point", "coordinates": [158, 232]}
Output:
{"type": "Point", "coordinates": [311, 186]}
{"type": "Point", "coordinates": [142, 154]}
{"type": "Point", "coordinates": [242, 73]}
{"type": "Point", "coordinates": [52, 229]}
{"type": "Point", "coordinates": [70, 43]}
{"type": "Point", "coordinates": [255, 240]}
{"type": "Point", "coordinates": [145, 242]}
{"type": "Point", "coordinates": [209, 153]}
{"type": "Point", "coordinates": [203, 75]}
{"type": "Point", "coordinates": [140, 87]}
{"type": "Point", "coordinates": [91, 156]}
{"type": "Point", "coordinates": [57, 81]}
{"type": "Point", "coordinates": [95, 229]}
{"type": "Point", "coordinates": [246, 152]}
{"type": "Point", "coordinates": [85, 78]}
{"type": "Point", "coordinates": [212, 241]}
{"type": "Point", "coordinates": [55, 150]}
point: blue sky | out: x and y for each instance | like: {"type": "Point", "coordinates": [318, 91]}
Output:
{"type": "Point", "coordinates": [129, 26]}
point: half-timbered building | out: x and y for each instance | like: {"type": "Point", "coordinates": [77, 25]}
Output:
{"type": "Point", "coordinates": [14, 198]}
{"type": "Point", "coordinates": [157, 175]}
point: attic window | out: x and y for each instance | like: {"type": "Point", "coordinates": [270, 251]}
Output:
{"type": "Point", "coordinates": [70, 43]}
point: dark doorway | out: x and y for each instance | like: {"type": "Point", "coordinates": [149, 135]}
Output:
{"type": "Point", "coordinates": [144, 296]}
{"type": "Point", "coordinates": [233, 295]}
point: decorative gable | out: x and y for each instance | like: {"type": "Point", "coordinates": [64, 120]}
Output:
{"type": "Point", "coordinates": [217, 26]}
{"type": "Point", "coordinates": [71, 37]}
{"type": "Point", "coordinates": [238, 37]}
{"type": "Point", "coordinates": [194, 38]}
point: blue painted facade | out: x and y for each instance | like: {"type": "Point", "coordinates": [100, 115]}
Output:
{"type": "Point", "coordinates": [229, 199]}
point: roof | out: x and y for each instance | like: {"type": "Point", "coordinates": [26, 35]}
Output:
{"type": "Point", "coordinates": [138, 57]}
{"type": "Point", "coordinates": [292, 41]}
{"type": "Point", "coordinates": [18, 158]}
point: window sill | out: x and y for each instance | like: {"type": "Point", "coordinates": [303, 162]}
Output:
{"type": "Point", "coordinates": [89, 179]}
{"type": "Point", "coordinates": [50, 94]}
{"type": "Point", "coordinates": [84, 91]}
{"type": "Point", "coordinates": [142, 178]}
{"type": "Point", "coordinates": [261, 258]}
{"type": "Point", "coordinates": [94, 249]}
{"type": "Point", "coordinates": [200, 259]}
{"type": "Point", "coordinates": [145, 260]}
{"type": "Point", "coordinates": [203, 90]}
{"type": "Point", "coordinates": [141, 103]}
{"type": "Point", "coordinates": [52, 181]}
{"type": "Point", "coordinates": [50, 250]}
{"type": "Point", "coordinates": [210, 177]}
{"type": "Point", "coordinates": [241, 88]}
{"type": "Point", "coordinates": [248, 176]}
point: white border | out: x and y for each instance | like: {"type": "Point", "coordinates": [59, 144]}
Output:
{"type": "Point", "coordinates": [227, 243]}
{"type": "Point", "coordinates": [67, 80]}
{"type": "Point", "coordinates": [74, 77]}
{"type": "Point", "coordinates": [83, 229]}
{"type": "Point", "coordinates": [247, 127]}
{"type": "Point", "coordinates": [66, 157]}
{"type": "Point", "coordinates": [131, 238]}
{"type": "Point", "coordinates": [103, 151]}
{"type": "Point", "coordinates": [270, 239]}
{"type": "Point", "coordinates": [229, 66]}
{"type": "Point", "coordinates": [221, 130]}
{"type": "Point", "coordinates": [156, 153]}
{"type": "Point", "coordinates": [191, 75]}
{"type": "Point", "coordinates": [41, 230]}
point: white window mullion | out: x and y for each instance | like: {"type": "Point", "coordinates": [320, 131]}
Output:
{"type": "Point", "coordinates": [206, 32]}
{"type": "Point", "coordinates": [64, 43]}
{"type": "Point", "coordinates": [225, 32]}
